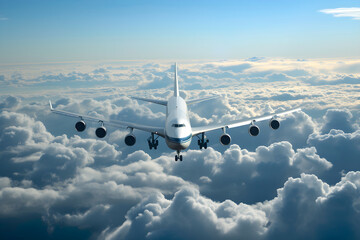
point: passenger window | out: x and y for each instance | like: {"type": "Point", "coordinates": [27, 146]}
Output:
{"type": "Point", "coordinates": [177, 125]}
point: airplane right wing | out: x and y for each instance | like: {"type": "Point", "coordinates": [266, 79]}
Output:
{"type": "Point", "coordinates": [238, 123]}
{"type": "Point", "coordinates": [120, 124]}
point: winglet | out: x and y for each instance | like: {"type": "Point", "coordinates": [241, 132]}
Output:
{"type": "Point", "coordinates": [176, 85]}
{"type": "Point", "coordinates": [51, 107]}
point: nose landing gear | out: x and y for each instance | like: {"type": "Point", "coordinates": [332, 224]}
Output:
{"type": "Point", "coordinates": [203, 141]}
{"type": "Point", "coordinates": [178, 156]}
{"type": "Point", "coordinates": [153, 142]}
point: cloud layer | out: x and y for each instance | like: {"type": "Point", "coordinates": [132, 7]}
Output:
{"type": "Point", "coordinates": [298, 182]}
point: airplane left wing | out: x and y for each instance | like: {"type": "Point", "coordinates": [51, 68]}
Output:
{"type": "Point", "coordinates": [120, 124]}
{"type": "Point", "coordinates": [238, 123]}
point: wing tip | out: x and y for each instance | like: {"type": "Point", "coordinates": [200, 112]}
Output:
{"type": "Point", "coordinates": [51, 107]}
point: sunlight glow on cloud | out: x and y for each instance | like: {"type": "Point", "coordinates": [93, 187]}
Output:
{"type": "Point", "coordinates": [353, 12]}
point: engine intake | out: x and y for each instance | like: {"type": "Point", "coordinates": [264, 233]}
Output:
{"type": "Point", "coordinates": [80, 126]}
{"type": "Point", "coordinates": [130, 139]}
{"type": "Point", "coordinates": [100, 132]}
{"type": "Point", "coordinates": [225, 139]}
{"type": "Point", "coordinates": [254, 130]}
{"type": "Point", "coordinates": [274, 124]}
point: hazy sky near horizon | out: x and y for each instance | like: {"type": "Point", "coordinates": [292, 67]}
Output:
{"type": "Point", "coordinates": [56, 31]}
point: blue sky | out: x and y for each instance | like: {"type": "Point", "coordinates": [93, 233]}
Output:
{"type": "Point", "coordinates": [52, 31]}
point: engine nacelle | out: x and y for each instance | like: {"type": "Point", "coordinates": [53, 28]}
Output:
{"type": "Point", "coordinates": [100, 132]}
{"type": "Point", "coordinates": [130, 139]}
{"type": "Point", "coordinates": [80, 126]}
{"type": "Point", "coordinates": [254, 130]}
{"type": "Point", "coordinates": [225, 139]}
{"type": "Point", "coordinates": [274, 123]}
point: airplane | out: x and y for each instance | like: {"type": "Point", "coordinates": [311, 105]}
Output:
{"type": "Point", "coordinates": [177, 131]}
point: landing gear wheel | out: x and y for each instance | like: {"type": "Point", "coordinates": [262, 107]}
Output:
{"type": "Point", "coordinates": [153, 142]}
{"type": "Point", "coordinates": [178, 156]}
{"type": "Point", "coordinates": [202, 142]}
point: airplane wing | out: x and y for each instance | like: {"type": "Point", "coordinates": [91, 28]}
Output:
{"type": "Point", "coordinates": [120, 124]}
{"type": "Point", "coordinates": [238, 123]}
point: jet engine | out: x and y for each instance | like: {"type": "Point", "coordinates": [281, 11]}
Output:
{"type": "Point", "coordinates": [130, 139]}
{"type": "Point", "coordinates": [100, 132]}
{"type": "Point", "coordinates": [254, 130]}
{"type": "Point", "coordinates": [274, 123]}
{"type": "Point", "coordinates": [80, 126]}
{"type": "Point", "coordinates": [225, 139]}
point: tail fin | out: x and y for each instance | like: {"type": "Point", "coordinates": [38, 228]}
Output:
{"type": "Point", "coordinates": [51, 107]}
{"type": "Point", "coordinates": [176, 85]}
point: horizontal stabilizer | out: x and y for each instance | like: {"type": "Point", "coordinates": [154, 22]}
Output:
{"type": "Point", "coordinates": [156, 101]}
{"type": "Point", "coordinates": [201, 99]}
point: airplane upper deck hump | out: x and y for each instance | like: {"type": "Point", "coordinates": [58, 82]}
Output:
{"type": "Point", "coordinates": [176, 84]}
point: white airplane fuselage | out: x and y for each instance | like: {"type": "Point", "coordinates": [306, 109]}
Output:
{"type": "Point", "coordinates": [178, 133]}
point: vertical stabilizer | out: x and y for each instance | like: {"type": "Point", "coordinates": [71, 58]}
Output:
{"type": "Point", "coordinates": [176, 85]}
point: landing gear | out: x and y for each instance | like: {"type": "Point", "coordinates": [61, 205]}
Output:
{"type": "Point", "coordinates": [153, 142]}
{"type": "Point", "coordinates": [202, 142]}
{"type": "Point", "coordinates": [178, 156]}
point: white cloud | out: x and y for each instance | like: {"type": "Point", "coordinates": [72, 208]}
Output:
{"type": "Point", "coordinates": [353, 12]}
{"type": "Point", "coordinates": [341, 149]}
{"type": "Point", "coordinates": [71, 179]}
{"type": "Point", "coordinates": [303, 208]}
{"type": "Point", "coordinates": [338, 119]}
{"type": "Point", "coordinates": [158, 218]}
{"type": "Point", "coordinates": [17, 201]}
{"type": "Point", "coordinates": [5, 182]}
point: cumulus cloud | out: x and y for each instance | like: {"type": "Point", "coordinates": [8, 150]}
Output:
{"type": "Point", "coordinates": [60, 182]}
{"type": "Point", "coordinates": [159, 218]}
{"type": "Point", "coordinates": [20, 201]}
{"type": "Point", "coordinates": [338, 119]}
{"type": "Point", "coordinates": [353, 12]}
{"type": "Point", "coordinates": [315, 208]}
{"type": "Point", "coordinates": [340, 148]}
{"type": "Point", "coordinates": [10, 102]}
{"type": "Point", "coordinates": [311, 204]}
{"type": "Point", "coordinates": [245, 176]}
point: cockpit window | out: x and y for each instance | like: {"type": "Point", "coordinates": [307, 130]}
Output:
{"type": "Point", "coordinates": [177, 125]}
